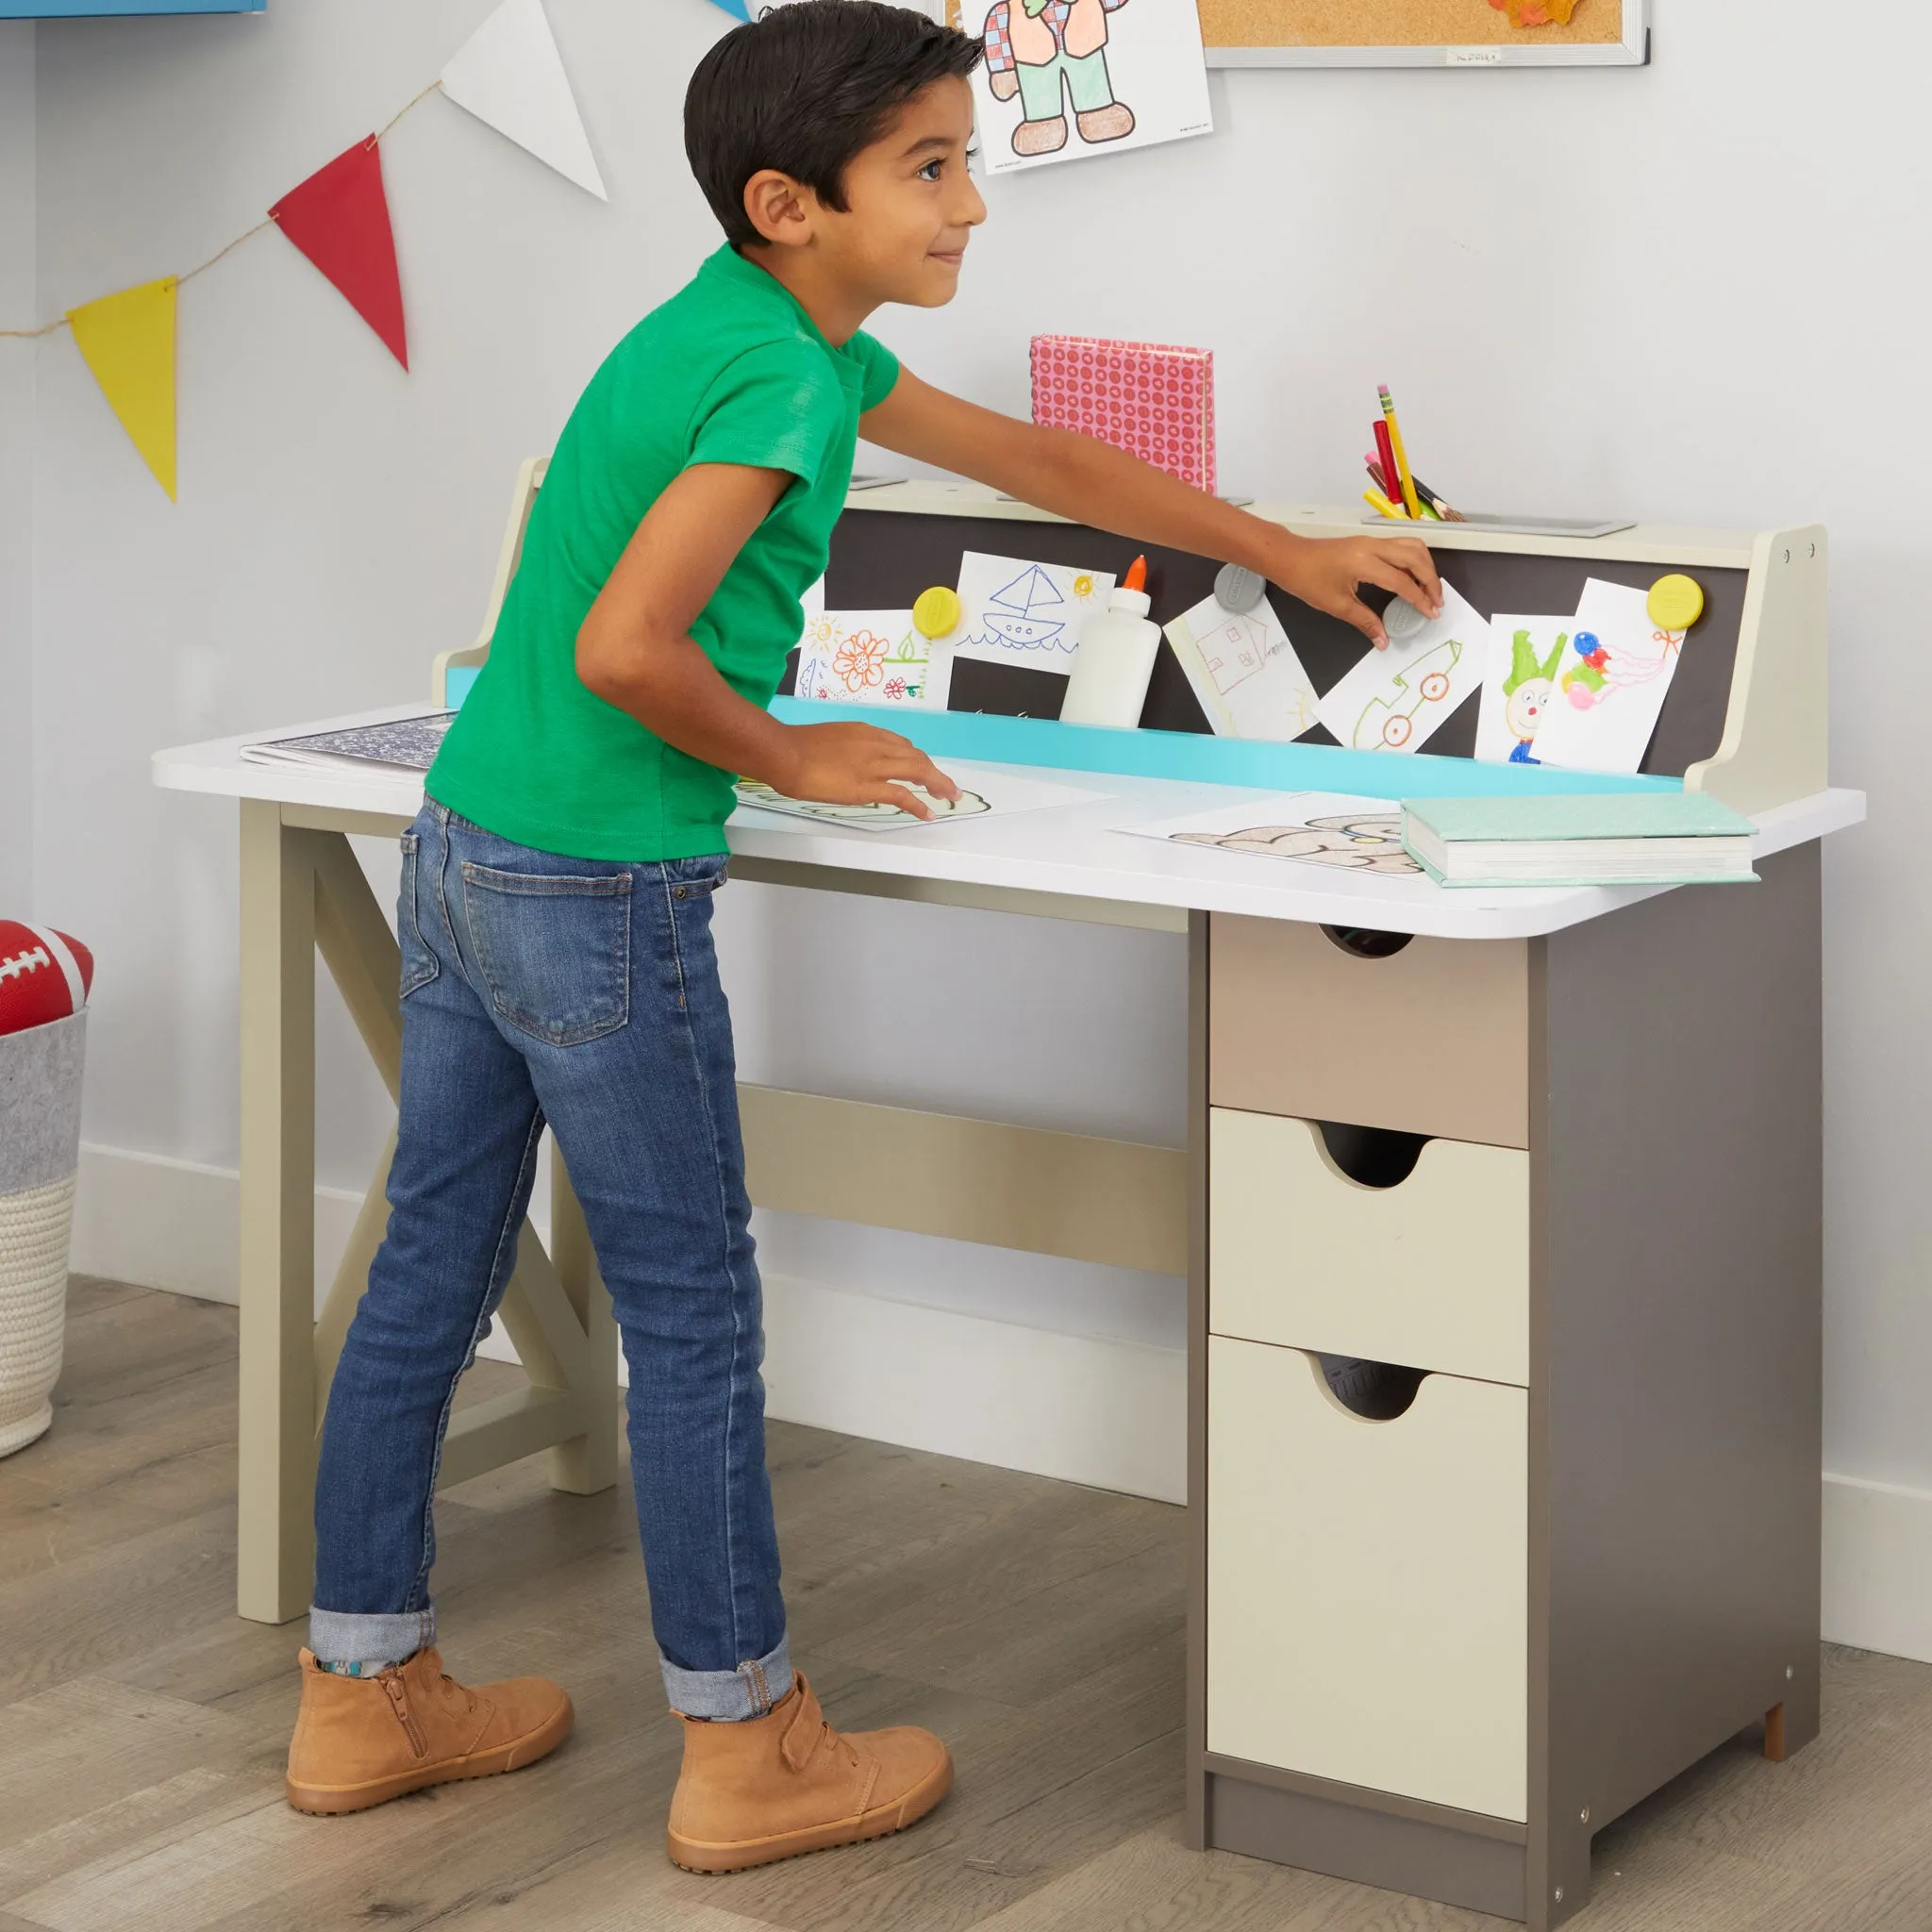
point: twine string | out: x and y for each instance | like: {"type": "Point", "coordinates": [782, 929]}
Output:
{"type": "Point", "coordinates": [60, 322]}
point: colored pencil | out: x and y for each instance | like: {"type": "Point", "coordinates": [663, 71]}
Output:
{"type": "Point", "coordinates": [1432, 511]}
{"type": "Point", "coordinates": [1377, 501]}
{"type": "Point", "coordinates": [1402, 474]}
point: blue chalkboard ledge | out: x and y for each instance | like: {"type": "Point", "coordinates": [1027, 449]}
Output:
{"type": "Point", "coordinates": [72, 9]}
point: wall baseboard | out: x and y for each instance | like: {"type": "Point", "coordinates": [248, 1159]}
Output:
{"type": "Point", "coordinates": [1878, 1567]}
{"type": "Point", "coordinates": [1084, 1408]}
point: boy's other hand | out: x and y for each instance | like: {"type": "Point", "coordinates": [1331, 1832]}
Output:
{"type": "Point", "coordinates": [857, 764]}
{"type": "Point", "coordinates": [1328, 572]}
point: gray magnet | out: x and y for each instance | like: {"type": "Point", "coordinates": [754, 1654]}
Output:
{"type": "Point", "coordinates": [1402, 620]}
{"type": "Point", "coordinates": [1239, 589]}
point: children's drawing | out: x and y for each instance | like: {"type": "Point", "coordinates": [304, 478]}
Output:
{"type": "Point", "coordinates": [1014, 611]}
{"type": "Point", "coordinates": [1535, 13]}
{"type": "Point", "coordinates": [1245, 671]}
{"type": "Point", "coordinates": [1524, 653]}
{"type": "Point", "coordinates": [864, 658]}
{"type": "Point", "coordinates": [1050, 56]}
{"type": "Point", "coordinates": [1038, 47]}
{"type": "Point", "coordinates": [985, 791]}
{"type": "Point", "coordinates": [1397, 699]}
{"type": "Point", "coordinates": [1611, 683]}
{"type": "Point", "coordinates": [1317, 827]}
{"type": "Point", "coordinates": [969, 805]}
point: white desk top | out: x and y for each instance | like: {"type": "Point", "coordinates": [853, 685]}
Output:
{"type": "Point", "coordinates": [1076, 849]}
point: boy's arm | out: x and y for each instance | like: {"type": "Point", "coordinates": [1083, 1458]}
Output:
{"type": "Point", "coordinates": [1093, 482]}
{"type": "Point", "coordinates": [635, 650]}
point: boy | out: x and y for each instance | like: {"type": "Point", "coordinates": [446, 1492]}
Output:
{"type": "Point", "coordinates": [555, 923]}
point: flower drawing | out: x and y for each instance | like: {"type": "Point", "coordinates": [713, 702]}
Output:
{"type": "Point", "coordinates": [860, 658]}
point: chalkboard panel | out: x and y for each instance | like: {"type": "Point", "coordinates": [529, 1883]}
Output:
{"type": "Point", "coordinates": [882, 560]}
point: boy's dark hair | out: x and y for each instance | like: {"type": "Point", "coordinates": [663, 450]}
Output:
{"type": "Point", "coordinates": [803, 90]}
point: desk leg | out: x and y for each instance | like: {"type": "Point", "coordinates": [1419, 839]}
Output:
{"type": "Point", "coordinates": [276, 1547]}
{"type": "Point", "coordinates": [1194, 1802]}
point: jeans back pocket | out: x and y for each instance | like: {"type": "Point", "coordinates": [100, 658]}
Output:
{"type": "Point", "coordinates": [554, 949]}
{"type": "Point", "coordinates": [419, 964]}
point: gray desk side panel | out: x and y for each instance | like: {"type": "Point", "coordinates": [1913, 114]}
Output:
{"type": "Point", "coordinates": [1675, 1344]}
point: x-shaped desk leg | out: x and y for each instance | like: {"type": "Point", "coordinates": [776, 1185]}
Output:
{"type": "Point", "coordinates": [302, 889]}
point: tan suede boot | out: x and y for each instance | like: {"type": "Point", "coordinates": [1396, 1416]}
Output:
{"type": "Point", "coordinates": [362, 1741]}
{"type": "Point", "coordinates": [772, 1787]}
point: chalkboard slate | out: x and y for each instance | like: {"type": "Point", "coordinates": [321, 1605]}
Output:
{"type": "Point", "coordinates": [882, 560]}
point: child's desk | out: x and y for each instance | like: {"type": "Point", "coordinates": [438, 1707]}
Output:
{"type": "Point", "coordinates": [1434, 1653]}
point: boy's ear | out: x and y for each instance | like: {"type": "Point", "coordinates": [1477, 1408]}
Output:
{"type": "Point", "coordinates": [779, 208]}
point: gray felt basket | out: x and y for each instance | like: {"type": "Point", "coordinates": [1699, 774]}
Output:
{"type": "Point", "coordinates": [39, 1149]}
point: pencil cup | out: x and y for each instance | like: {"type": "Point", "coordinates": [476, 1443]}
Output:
{"type": "Point", "coordinates": [39, 1149]}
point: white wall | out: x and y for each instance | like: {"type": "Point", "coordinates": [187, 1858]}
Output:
{"type": "Point", "coordinates": [1693, 292]}
{"type": "Point", "coordinates": [17, 310]}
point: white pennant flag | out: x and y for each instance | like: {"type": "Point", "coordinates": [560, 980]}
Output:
{"type": "Point", "coordinates": [509, 74]}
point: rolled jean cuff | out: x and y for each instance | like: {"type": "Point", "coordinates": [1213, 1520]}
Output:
{"type": "Point", "coordinates": [730, 1696]}
{"type": "Point", "coordinates": [341, 1637]}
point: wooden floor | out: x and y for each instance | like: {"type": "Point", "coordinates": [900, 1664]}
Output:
{"type": "Point", "coordinates": [1036, 1625]}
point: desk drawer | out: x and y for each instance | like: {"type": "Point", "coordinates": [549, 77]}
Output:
{"type": "Point", "coordinates": [1433, 1038]}
{"type": "Point", "coordinates": [1432, 1273]}
{"type": "Point", "coordinates": [1368, 1582]}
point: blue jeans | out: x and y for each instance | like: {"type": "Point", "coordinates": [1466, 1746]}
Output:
{"type": "Point", "coordinates": [586, 995]}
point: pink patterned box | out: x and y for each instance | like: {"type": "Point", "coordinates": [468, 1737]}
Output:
{"type": "Point", "coordinates": [1155, 401]}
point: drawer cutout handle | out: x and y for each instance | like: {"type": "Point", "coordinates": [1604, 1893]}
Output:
{"type": "Point", "coordinates": [1375, 1392]}
{"type": "Point", "coordinates": [1366, 942]}
{"type": "Point", "coordinates": [1371, 1156]}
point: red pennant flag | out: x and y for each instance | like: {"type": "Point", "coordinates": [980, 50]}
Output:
{"type": "Point", "coordinates": [339, 218]}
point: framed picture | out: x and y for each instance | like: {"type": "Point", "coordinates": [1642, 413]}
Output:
{"type": "Point", "coordinates": [1425, 33]}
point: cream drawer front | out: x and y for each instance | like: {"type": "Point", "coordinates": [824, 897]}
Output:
{"type": "Point", "coordinates": [1432, 1273]}
{"type": "Point", "coordinates": [1432, 1039]}
{"type": "Point", "coordinates": [1368, 1582]}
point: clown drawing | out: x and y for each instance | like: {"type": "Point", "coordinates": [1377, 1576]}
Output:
{"type": "Point", "coordinates": [1035, 48]}
{"type": "Point", "coordinates": [1528, 691]}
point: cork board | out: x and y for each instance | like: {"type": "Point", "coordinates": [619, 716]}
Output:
{"type": "Point", "coordinates": [1414, 32]}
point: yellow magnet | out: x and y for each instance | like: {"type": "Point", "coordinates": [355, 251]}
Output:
{"type": "Point", "coordinates": [1675, 603]}
{"type": "Point", "coordinates": [937, 613]}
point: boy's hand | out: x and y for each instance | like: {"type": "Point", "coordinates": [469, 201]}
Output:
{"type": "Point", "coordinates": [1326, 573]}
{"type": "Point", "coordinates": [856, 764]}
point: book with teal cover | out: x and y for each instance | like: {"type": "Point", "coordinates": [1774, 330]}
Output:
{"type": "Point", "coordinates": [1679, 837]}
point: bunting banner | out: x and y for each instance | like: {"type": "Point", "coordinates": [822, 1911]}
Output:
{"type": "Point", "coordinates": [339, 218]}
{"type": "Point", "coordinates": [129, 342]}
{"type": "Point", "coordinates": [510, 75]}
{"type": "Point", "coordinates": [507, 74]}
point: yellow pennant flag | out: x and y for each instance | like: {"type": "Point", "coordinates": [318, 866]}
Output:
{"type": "Point", "coordinates": [128, 341]}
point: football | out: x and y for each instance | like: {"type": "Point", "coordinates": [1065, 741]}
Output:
{"type": "Point", "coordinates": [43, 975]}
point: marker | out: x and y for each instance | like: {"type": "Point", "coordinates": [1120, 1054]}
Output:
{"type": "Point", "coordinates": [1397, 450]}
{"type": "Point", "coordinates": [1375, 500]}
{"type": "Point", "coordinates": [1392, 477]}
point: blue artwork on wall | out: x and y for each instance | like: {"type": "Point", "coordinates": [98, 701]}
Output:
{"type": "Point", "coordinates": [69, 10]}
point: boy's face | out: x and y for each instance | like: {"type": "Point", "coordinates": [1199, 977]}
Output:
{"type": "Point", "coordinates": [910, 205]}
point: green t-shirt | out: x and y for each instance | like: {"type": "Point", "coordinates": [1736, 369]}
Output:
{"type": "Point", "coordinates": [731, 369]}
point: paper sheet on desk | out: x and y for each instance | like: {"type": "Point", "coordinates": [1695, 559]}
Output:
{"type": "Point", "coordinates": [983, 793]}
{"type": "Point", "coordinates": [1318, 827]}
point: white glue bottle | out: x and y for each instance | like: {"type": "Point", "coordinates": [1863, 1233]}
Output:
{"type": "Point", "coordinates": [1115, 660]}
